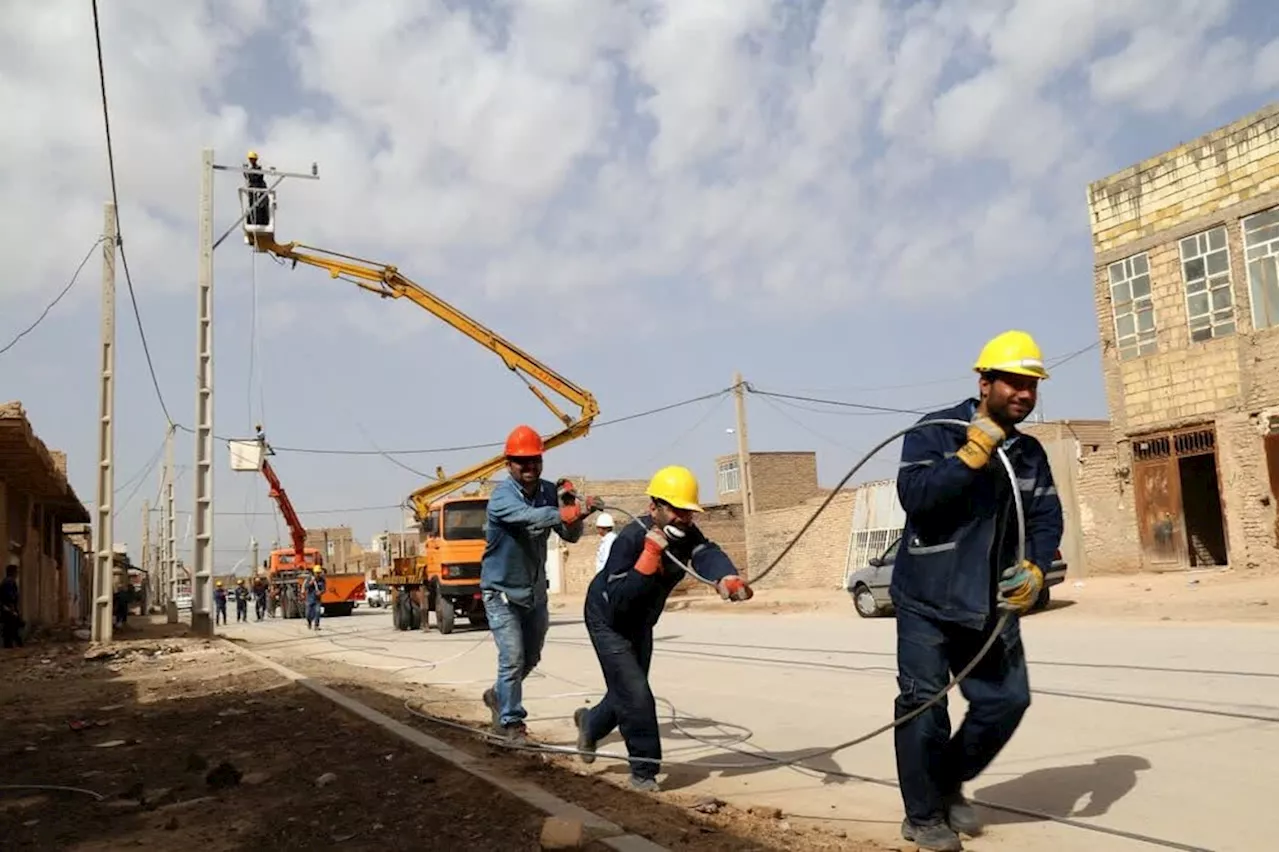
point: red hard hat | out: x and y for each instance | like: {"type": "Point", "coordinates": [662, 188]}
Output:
{"type": "Point", "coordinates": [523, 442]}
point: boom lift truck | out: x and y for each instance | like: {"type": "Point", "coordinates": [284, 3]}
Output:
{"type": "Point", "coordinates": [288, 567]}
{"type": "Point", "coordinates": [445, 577]}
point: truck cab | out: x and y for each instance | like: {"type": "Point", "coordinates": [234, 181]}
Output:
{"type": "Point", "coordinates": [455, 540]}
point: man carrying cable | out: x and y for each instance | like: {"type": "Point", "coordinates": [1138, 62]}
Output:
{"type": "Point", "coordinates": [624, 602]}
{"type": "Point", "coordinates": [523, 510]}
{"type": "Point", "coordinates": [954, 572]}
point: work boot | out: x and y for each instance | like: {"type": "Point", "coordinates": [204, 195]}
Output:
{"type": "Point", "coordinates": [937, 837]}
{"type": "Point", "coordinates": [490, 699]}
{"type": "Point", "coordinates": [586, 746]}
{"type": "Point", "coordinates": [515, 734]}
{"type": "Point", "coordinates": [962, 817]}
{"type": "Point", "coordinates": [644, 785]}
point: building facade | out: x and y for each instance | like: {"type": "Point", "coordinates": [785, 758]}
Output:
{"type": "Point", "coordinates": [778, 479]}
{"type": "Point", "coordinates": [1185, 249]}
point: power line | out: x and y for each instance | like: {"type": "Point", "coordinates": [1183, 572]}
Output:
{"type": "Point", "coordinates": [326, 451]}
{"type": "Point", "coordinates": [115, 202]}
{"type": "Point", "coordinates": [56, 299]}
{"type": "Point", "coordinates": [862, 406]}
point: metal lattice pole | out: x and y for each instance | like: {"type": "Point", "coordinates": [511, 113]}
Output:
{"type": "Point", "coordinates": [104, 529]}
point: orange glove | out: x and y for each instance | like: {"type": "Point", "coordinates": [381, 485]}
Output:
{"type": "Point", "coordinates": [734, 588]}
{"type": "Point", "coordinates": [650, 561]}
{"type": "Point", "coordinates": [571, 513]}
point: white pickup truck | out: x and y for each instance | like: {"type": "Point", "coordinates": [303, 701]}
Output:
{"type": "Point", "coordinates": [376, 594]}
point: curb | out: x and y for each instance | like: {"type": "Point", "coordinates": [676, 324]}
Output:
{"type": "Point", "coordinates": [597, 827]}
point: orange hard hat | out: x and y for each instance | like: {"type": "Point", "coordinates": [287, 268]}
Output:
{"type": "Point", "coordinates": [523, 442]}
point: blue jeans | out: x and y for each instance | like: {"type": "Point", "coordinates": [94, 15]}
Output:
{"type": "Point", "coordinates": [519, 633]}
{"type": "Point", "coordinates": [628, 703]}
{"type": "Point", "coordinates": [314, 611]}
{"type": "Point", "coordinates": [932, 764]}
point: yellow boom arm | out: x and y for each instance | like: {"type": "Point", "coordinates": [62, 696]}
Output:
{"type": "Point", "coordinates": [387, 282]}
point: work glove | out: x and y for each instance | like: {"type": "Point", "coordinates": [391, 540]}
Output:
{"type": "Point", "coordinates": [566, 493]}
{"type": "Point", "coordinates": [982, 438]}
{"type": "Point", "coordinates": [734, 588]}
{"type": "Point", "coordinates": [650, 561]}
{"type": "Point", "coordinates": [1020, 586]}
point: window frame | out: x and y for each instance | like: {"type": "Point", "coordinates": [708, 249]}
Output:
{"type": "Point", "coordinates": [725, 470]}
{"type": "Point", "coordinates": [1137, 347]}
{"type": "Point", "coordinates": [1274, 253]}
{"type": "Point", "coordinates": [1188, 295]}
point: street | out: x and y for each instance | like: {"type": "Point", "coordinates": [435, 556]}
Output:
{"type": "Point", "coordinates": [1140, 735]}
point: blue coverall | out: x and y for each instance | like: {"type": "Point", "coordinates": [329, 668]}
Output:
{"type": "Point", "coordinates": [314, 589]}
{"type": "Point", "coordinates": [219, 606]}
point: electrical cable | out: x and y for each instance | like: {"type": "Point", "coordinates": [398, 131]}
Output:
{"type": "Point", "coordinates": [74, 277]}
{"type": "Point", "coordinates": [115, 203]}
{"type": "Point", "coordinates": [54, 787]}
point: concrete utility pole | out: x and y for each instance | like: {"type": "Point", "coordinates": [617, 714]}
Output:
{"type": "Point", "coordinates": [104, 529]}
{"type": "Point", "coordinates": [202, 509]}
{"type": "Point", "coordinates": [744, 465]}
{"type": "Point", "coordinates": [170, 534]}
{"type": "Point", "coordinates": [253, 547]}
{"type": "Point", "coordinates": [147, 568]}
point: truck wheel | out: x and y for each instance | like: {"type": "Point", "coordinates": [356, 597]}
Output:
{"type": "Point", "coordinates": [416, 615]}
{"type": "Point", "coordinates": [444, 614]}
{"type": "Point", "coordinates": [402, 611]}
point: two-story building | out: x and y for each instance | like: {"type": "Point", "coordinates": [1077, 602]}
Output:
{"type": "Point", "coordinates": [1185, 258]}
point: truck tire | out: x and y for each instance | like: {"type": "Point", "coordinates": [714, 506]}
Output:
{"type": "Point", "coordinates": [429, 595]}
{"type": "Point", "coordinates": [402, 611]}
{"type": "Point", "coordinates": [416, 615]}
{"type": "Point", "coordinates": [444, 615]}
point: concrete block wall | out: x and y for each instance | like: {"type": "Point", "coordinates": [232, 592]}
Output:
{"type": "Point", "coordinates": [782, 479]}
{"type": "Point", "coordinates": [818, 560]}
{"type": "Point", "coordinates": [579, 564]}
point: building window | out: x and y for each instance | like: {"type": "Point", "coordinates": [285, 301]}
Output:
{"type": "Point", "coordinates": [1206, 270]}
{"type": "Point", "coordinates": [727, 476]}
{"type": "Point", "coordinates": [1131, 305]}
{"type": "Point", "coordinates": [1260, 250]}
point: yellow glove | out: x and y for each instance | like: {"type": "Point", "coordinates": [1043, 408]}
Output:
{"type": "Point", "coordinates": [1020, 586]}
{"type": "Point", "coordinates": [983, 435]}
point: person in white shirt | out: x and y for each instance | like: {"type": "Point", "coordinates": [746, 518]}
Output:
{"type": "Point", "coordinates": [604, 526]}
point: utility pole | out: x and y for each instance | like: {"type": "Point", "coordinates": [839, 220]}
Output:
{"type": "Point", "coordinates": [253, 547]}
{"type": "Point", "coordinates": [170, 534]}
{"type": "Point", "coordinates": [148, 570]}
{"type": "Point", "coordinates": [744, 465]}
{"type": "Point", "coordinates": [104, 529]}
{"type": "Point", "coordinates": [202, 509]}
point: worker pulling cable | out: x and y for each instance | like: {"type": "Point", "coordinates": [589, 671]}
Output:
{"type": "Point", "coordinates": [969, 566]}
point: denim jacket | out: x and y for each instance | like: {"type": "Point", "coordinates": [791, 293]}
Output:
{"type": "Point", "coordinates": [634, 601]}
{"type": "Point", "coordinates": [515, 551]}
{"type": "Point", "coordinates": [961, 529]}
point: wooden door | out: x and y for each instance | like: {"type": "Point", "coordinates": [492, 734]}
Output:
{"type": "Point", "coordinates": [1158, 499]}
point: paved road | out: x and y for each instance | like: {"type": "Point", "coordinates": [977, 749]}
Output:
{"type": "Point", "coordinates": [1161, 731]}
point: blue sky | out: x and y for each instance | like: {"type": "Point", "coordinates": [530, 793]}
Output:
{"type": "Point", "coordinates": [838, 200]}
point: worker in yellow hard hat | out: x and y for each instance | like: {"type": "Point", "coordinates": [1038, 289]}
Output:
{"type": "Point", "coordinates": [624, 602]}
{"type": "Point", "coordinates": [258, 214]}
{"type": "Point", "coordinates": [219, 603]}
{"type": "Point", "coordinates": [955, 571]}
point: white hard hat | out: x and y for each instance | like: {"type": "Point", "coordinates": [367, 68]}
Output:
{"type": "Point", "coordinates": [604, 519]}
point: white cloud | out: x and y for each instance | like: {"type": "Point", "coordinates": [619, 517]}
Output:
{"type": "Point", "coordinates": [715, 150]}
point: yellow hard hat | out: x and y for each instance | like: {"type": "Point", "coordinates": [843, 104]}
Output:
{"type": "Point", "coordinates": [218, 584]}
{"type": "Point", "coordinates": [253, 155]}
{"type": "Point", "coordinates": [316, 569]}
{"type": "Point", "coordinates": [675, 485]}
{"type": "Point", "coordinates": [1012, 352]}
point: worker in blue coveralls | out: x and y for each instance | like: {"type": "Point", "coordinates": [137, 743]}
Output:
{"type": "Point", "coordinates": [624, 602]}
{"type": "Point", "coordinates": [523, 510]}
{"type": "Point", "coordinates": [219, 604]}
{"type": "Point", "coordinates": [313, 589]}
{"type": "Point", "coordinates": [955, 571]}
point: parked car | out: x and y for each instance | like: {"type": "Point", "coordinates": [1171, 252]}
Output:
{"type": "Point", "coordinates": [375, 594]}
{"type": "Point", "coordinates": [869, 586]}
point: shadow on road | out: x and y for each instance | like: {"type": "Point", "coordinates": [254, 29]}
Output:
{"type": "Point", "coordinates": [1057, 790]}
{"type": "Point", "coordinates": [734, 764]}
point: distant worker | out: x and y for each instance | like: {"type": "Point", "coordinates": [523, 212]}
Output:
{"type": "Point", "coordinates": [624, 602]}
{"type": "Point", "coordinates": [954, 574]}
{"type": "Point", "coordinates": [11, 605]}
{"type": "Point", "coordinates": [259, 598]}
{"type": "Point", "coordinates": [314, 591]}
{"type": "Point", "coordinates": [604, 527]}
{"type": "Point", "coordinates": [219, 604]}
{"type": "Point", "coordinates": [523, 510]}
{"type": "Point", "coordinates": [259, 214]}
{"type": "Point", "coordinates": [242, 602]}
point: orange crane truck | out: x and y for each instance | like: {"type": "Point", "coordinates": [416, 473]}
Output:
{"type": "Point", "coordinates": [445, 577]}
{"type": "Point", "coordinates": [288, 568]}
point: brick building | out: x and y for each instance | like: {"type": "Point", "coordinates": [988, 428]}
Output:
{"type": "Point", "coordinates": [1185, 248]}
{"type": "Point", "coordinates": [36, 500]}
{"type": "Point", "coordinates": [338, 548]}
{"type": "Point", "coordinates": [779, 479]}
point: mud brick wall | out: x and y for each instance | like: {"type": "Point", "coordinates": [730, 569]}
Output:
{"type": "Point", "coordinates": [818, 560]}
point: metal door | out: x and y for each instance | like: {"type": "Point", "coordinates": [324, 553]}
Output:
{"type": "Point", "coordinates": [1158, 501]}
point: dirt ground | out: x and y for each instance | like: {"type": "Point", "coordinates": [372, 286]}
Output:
{"type": "Point", "coordinates": [679, 821]}
{"type": "Point", "coordinates": [173, 741]}
{"type": "Point", "coordinates": [1208, 595]}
